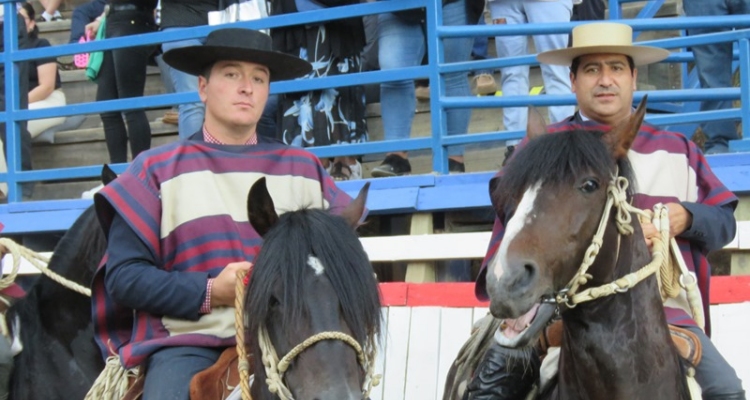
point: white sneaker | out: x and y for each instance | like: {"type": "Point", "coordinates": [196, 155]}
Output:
{"type": "Point", "coordinates": [89, 194]}
{"type": "Point", "coordinates": [356, 169]}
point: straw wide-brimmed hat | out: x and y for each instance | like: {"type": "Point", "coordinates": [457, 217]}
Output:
{"type": "Point", "coordinates": [603, 38]}
{"type": "Point", "coordinates": [237, 44]}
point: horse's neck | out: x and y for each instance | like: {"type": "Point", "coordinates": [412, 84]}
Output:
{"type": "Point", "coordinates": [609, 342]}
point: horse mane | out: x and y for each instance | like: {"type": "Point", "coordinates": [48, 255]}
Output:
{"type": "Point", "coordinates": [558, 157]}
{"type": "Point", "coordinates": [283, 261]}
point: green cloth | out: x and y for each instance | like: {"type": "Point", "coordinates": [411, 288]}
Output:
{"type": "Point", "coordinates": [96, 57]}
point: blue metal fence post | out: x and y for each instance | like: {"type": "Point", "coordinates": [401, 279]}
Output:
{"type": "Point", "coordinates": [438, 114]}
{"type": "Point", "coordinates": [12, 100]}
{"type": "Point", "coordinates": [744, 144]}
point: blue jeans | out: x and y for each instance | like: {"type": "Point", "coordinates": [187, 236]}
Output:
{"type": "Point", "coordinates": [402, 44]}
{"type": "Point", "coordinates": [515, 80]}
{"type": "Point", "coordinates": [713, 373]}
{"type": "Point", "coordinates": [714, 63]}
{"type": "Point", "coordinates": [191, 114]}
{"type": "Point", "coordinates": [170, 370]}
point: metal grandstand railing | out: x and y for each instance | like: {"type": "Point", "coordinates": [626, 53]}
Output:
{"type": "Point", "coordinates": [438, 142]}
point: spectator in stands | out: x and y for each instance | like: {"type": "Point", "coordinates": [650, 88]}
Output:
{"type": "Point", "coordinates": [51, 12]}
{"type": "Point", "coordinates": [84, 15]}
{"type": "Point", "coordinates": [183, 14]}
{"type": "Point", "coordinates": [327, 116]}
{"type": "Point", "coordinates": [401, 43]}
{"type": "Point", "coordinates": [44, 80]}
{"type": "Point", "coordinates": [123, 75]}
{"type": "Point", "coordinates": [715, 68]}
{"type": "Point", "coordinates": [23, 79]}
{"type": "Point", "coordinates": [603, 74]}
{"type": "Point", "coordinates": [161, 289]}
{"type": "Point", "coordinates": [515, 80]}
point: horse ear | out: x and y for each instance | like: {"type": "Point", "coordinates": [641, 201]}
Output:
{"type": "Point", "coordinates": [107, 174]}
{"type": "Point", "coordinates": [621, 137]}
{"type": "Point", "coordinates": [260, 209]}
{"type": "Point", "coordinates": [354, 211]}
{"type": "Point", "coordinates": [535, 124]}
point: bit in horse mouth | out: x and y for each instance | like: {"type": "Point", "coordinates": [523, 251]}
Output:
{"type": "Point", "coordinates": [524, 330]}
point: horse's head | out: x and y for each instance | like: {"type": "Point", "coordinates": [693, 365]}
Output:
{"type": "Point", "coordinates": [312, 283]}
{"type": "Point", "coordinates": [551, 197]}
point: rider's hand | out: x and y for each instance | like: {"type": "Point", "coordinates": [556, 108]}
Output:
{"type": "Point", "coordinates": [680, 219]}
{"type": "Point", "coordinates": [222, 291]}
{"type": "Point", "coordinates": [649, 232]}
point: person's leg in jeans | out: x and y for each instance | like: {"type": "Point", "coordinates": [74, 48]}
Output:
{"type": "Point", "coordinates": [130, 75]}
{"type": "Point", "coordinates": [191, 114]}
{"type": "Point", "coordinates": [556, 77]}
{"type": "Point", "coordinates": [717, 378]}
{"type": "Point", "coordinates": [82, 15]}
{"type": "Point", "coordinates": [400, 44]}
{"type": "Point", "coordinates": [714, 69]}
{"type": "Point", "coordinates": [514, 80]}
{"type": "Point", "coordinates": [456, 84]}
{"type": "Point", "coordinates": [171, 369]}
{"type": "Point", "coordinates": [114, 127]}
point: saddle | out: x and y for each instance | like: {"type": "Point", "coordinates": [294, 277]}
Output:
{"type": "Point", "coordinates": [687, 343]}
{"type": "Point", "coordinates": [215, 382]}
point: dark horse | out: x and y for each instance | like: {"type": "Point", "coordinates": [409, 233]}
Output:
{"type": "Point", "coordinates": [552, 198]}
{"type": "Point", "coordinates": [312, 276]}
{"type": "Point", "coordinates": [60, 359]}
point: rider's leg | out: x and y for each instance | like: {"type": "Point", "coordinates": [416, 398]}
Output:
{"type": "Point", "coordinates": [169, 371]}
{"type": "Point", "coordinates": [717, 378]}
{"type": "Point", "coordinates": [6, 367]}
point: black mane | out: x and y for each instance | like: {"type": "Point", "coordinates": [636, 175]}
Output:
{"type": "Point", "coordinates": [557, 157]}
{"type": "Point", "coordinates": [283, 261]}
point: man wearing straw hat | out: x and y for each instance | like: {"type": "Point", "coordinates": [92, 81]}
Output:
{"type": "Point", "coordinates": [603, 74]}
{"type": "Point", "coordinates": [175, 221]}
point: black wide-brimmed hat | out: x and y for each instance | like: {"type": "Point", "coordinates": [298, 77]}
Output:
{"type": "Point", "coordinates": [237, 44]}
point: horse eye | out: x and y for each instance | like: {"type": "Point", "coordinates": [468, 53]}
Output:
{"type": "Point", "coordinates": [273, 302]}
{"type": "Point", "coordinates": [589, 186]}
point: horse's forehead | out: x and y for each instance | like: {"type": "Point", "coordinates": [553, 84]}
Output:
{"type": "Point", "coordinates": [523, 215]}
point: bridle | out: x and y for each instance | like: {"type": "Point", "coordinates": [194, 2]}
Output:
{"type": "Point", "coordinates": [617, 197]}
{"type": "Point", "coordinates": [276, 368]}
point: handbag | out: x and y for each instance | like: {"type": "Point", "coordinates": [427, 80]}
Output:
{"type": "Point", "coordinates": [238, 10]}
{"type": "Point", "coordinates": [96, 57]}
{"type": "Point", "coordinates": [82, 60]}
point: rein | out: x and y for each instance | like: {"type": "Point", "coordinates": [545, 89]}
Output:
{"type": "Point", "coordinates": [617, 197]}
{"type": "Point", "coordinates": [39, 262]}
{"type": "Point", "coordinates": [276, 368]}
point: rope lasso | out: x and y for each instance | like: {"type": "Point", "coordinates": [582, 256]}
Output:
{"type": "Point", "coordinates": [243, 365]}
{"type": "Point", "coordinates": [39, 262]}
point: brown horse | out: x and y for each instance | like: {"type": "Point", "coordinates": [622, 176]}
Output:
{"type": "Point", "coordinates": [553, 196]}
{"type": "Point", "coordinates": [312, 304]}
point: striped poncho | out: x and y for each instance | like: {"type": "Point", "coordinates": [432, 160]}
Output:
{"type": "Point", "coordinates": [187, 202]}
{"type": "Point", "coordinates": [668, 168]}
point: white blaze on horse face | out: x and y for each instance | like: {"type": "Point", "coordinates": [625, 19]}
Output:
{"type": "Point", "coordinates": [524, 215]}
{"type": "Point", "coordinates": [316, 265]}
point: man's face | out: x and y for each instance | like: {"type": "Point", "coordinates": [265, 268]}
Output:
{"type": "Point", "coordinates": [604, 86]}
{"type": "Point", "coordinates": [235, 93]}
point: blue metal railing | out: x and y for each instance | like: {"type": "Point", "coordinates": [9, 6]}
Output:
{"type": "Point", "coordinates": [439, 103]}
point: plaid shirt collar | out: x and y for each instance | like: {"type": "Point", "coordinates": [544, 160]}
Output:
{"type": "Point", "coordinates": [209, 138]}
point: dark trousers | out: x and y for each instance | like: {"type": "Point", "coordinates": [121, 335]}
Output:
{"type": "Point", "coordinates": [170, 370]}
{"type": "Point", "coordinates": [82, 15]}
{"type": "Point", "coordinates": [123, 75]}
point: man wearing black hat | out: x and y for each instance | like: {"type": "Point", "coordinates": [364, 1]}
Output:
{"type": "Point", "coordinates": [176, 222]}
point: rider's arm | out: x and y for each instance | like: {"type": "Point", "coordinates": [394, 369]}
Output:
{"type": "Point", "coordinates": [712, 227]}
{"type": "Point", "coordinates": [134, 281]}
